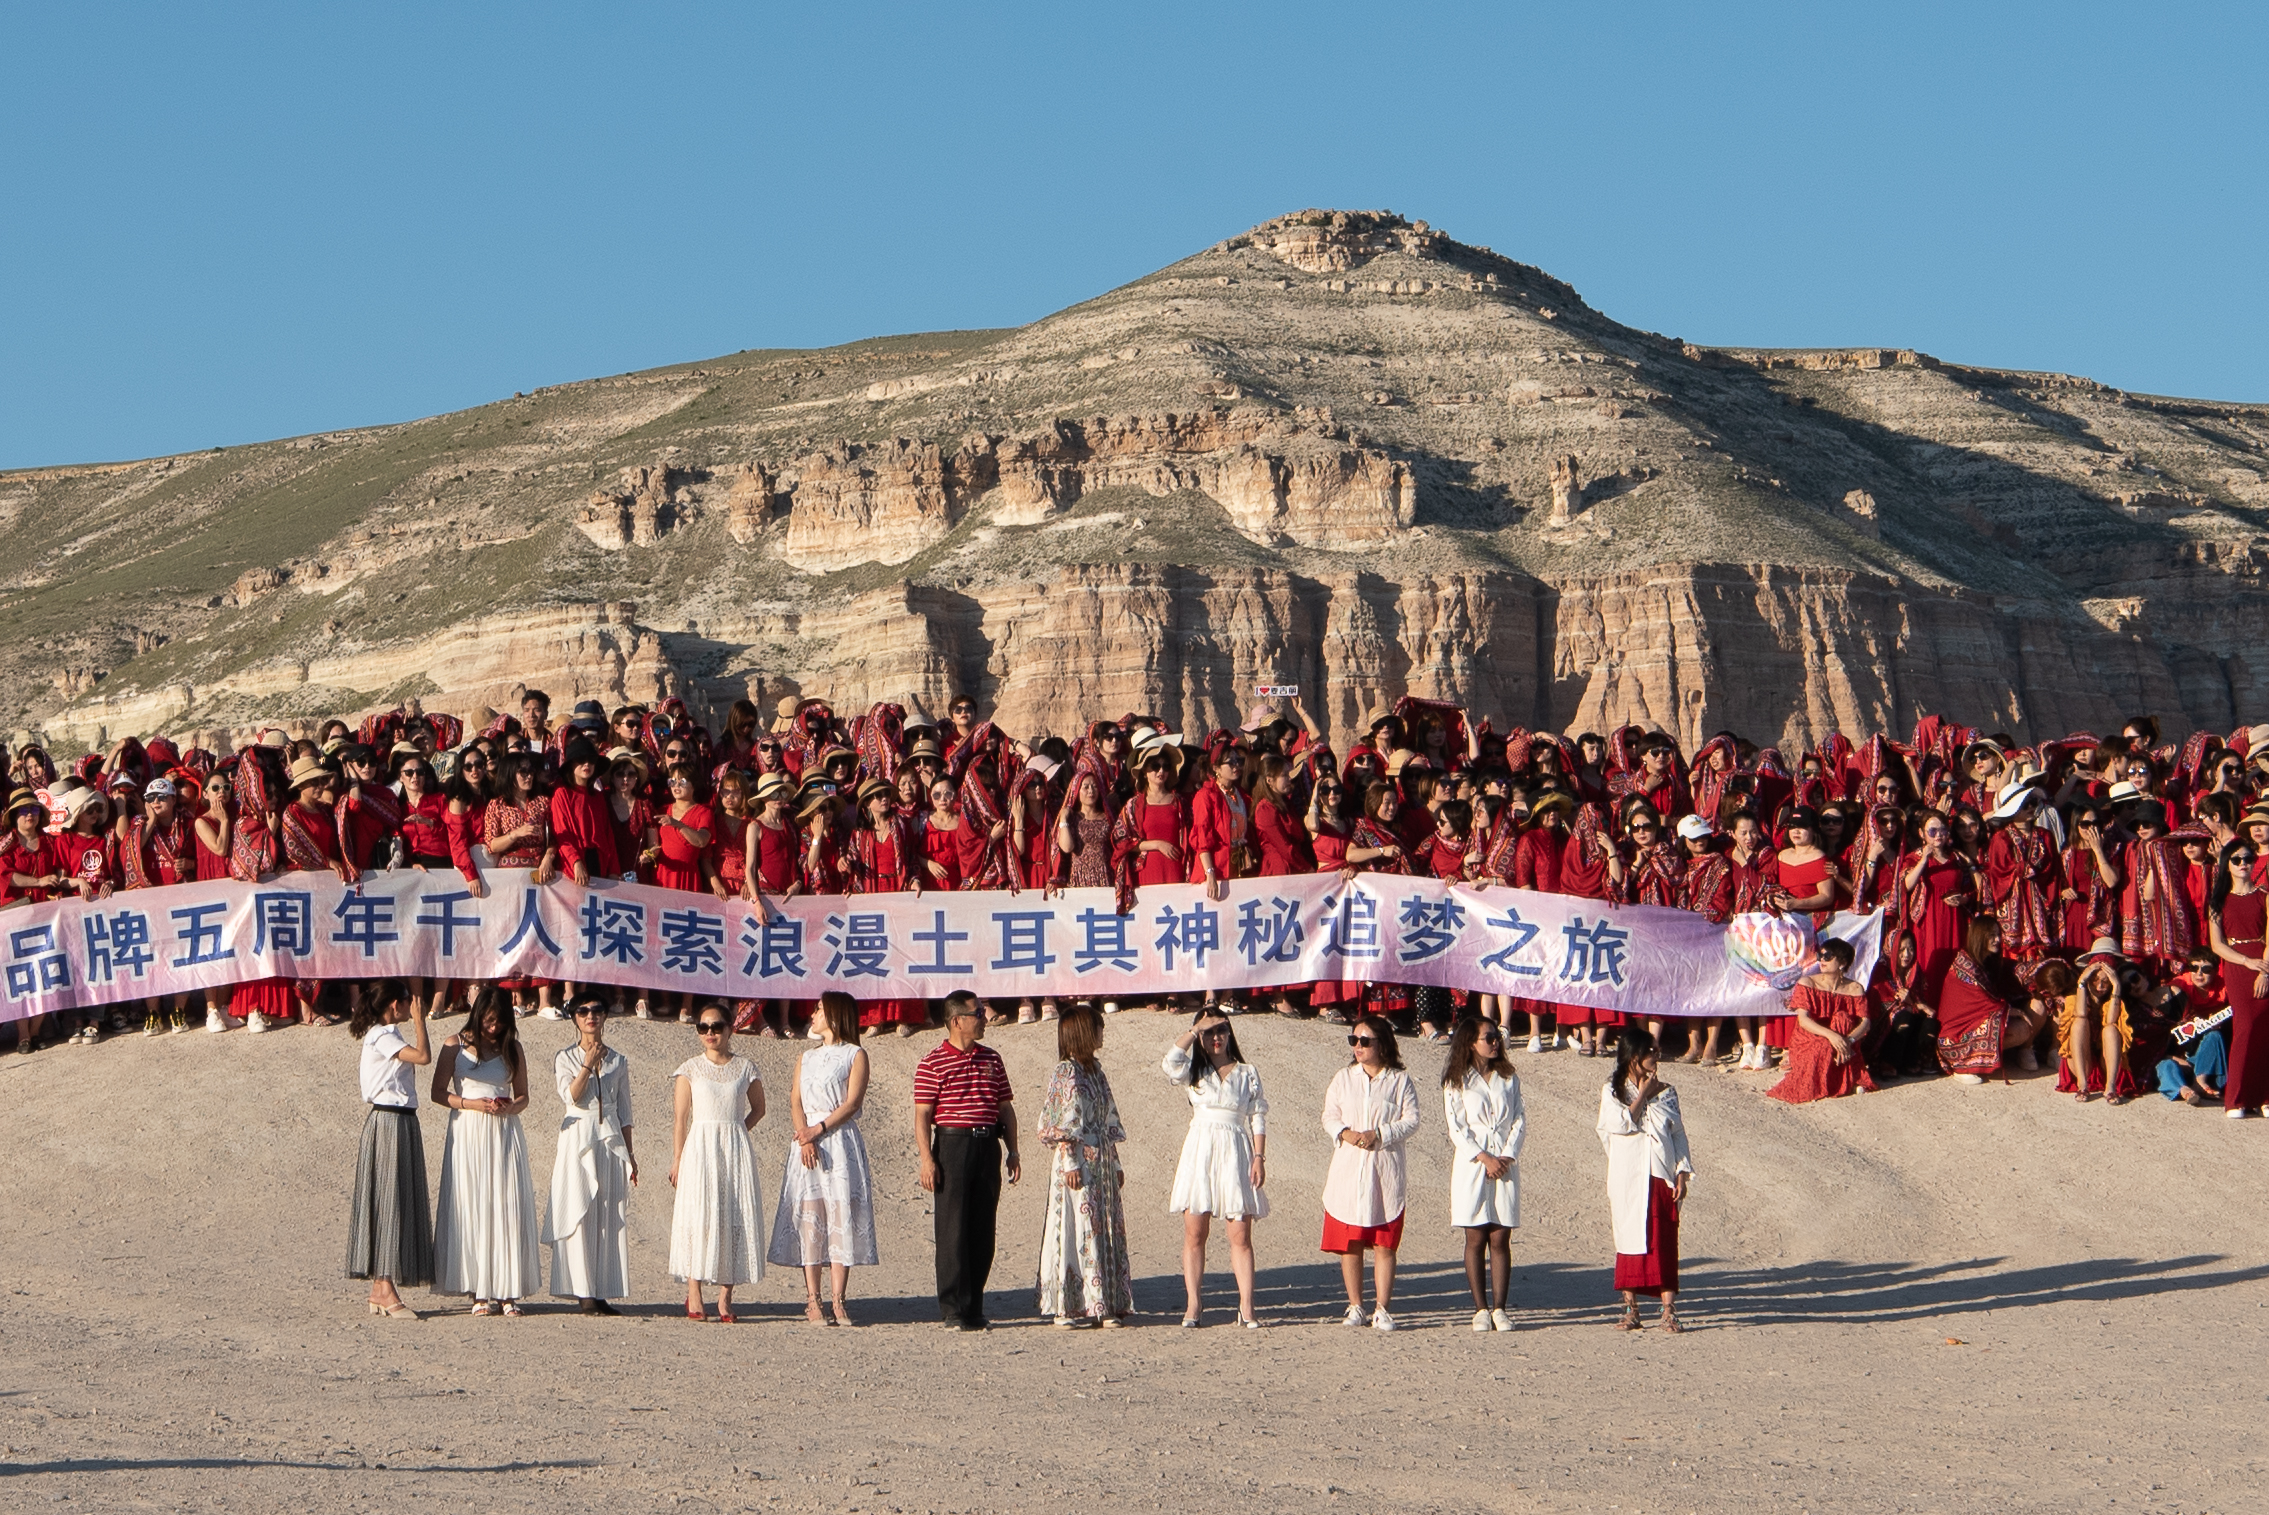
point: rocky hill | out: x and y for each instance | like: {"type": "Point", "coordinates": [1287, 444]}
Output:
{"type": "Point", "coordinates": [1341, 450]}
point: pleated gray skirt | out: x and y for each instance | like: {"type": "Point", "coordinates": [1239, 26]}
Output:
{"type": "Point", "coordinates": [390, 1234]}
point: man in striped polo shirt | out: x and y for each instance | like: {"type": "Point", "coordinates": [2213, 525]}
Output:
{"type": "Point", "coordinates": [963, 1117]}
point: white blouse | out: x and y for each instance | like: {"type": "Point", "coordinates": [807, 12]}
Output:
{"type": "Point", "coordinates": [1234, 1100]}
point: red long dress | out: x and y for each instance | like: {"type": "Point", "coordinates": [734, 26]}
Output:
{"type": "Point", "coordinates": [583, 826]}
{"type": "Point", "coordinates": [1813, 1072]}
{"type": "Point", "coordinates": [2096, 912]}
{"type": "Point", "coordinates": [2021, 868]}
{"type": "Point", "coordinates": [943, 847]}
{"type": "Point", "coordinates": [1220, 820]}
{"type": "Point", "coordinates": [872, 865]}
{"type": "Point", "coordinates": [2243, 918]}
{"type": "Point", "coordinates": [1937, 924]}
{"type": "Point", "coordinates": [630, 836]}
{"type": "Point", "coordinates": [1973, 1020]}
{"type": "Point", "coordinates": [1331, 856]}
{"type": "Point", "coordinates": [1583, 873]}
{"type": "Point", "coordinates": [1285, 846]}
{"type": "Point", "coordinates": [1536, 865]}
{"type": "Point", "coordinates": [777, 856]}
{"type": "Point", "coordinates": [1168, 823]}
{"type": "Point", "coordinates": [729, 844]}
{"type": "Point", "coordinates": [310, 841]}
{"type": "Point", "coordinates": [681, 862]}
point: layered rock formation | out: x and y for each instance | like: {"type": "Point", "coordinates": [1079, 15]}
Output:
{"type": "Point", "coordinates": [1341, 450]}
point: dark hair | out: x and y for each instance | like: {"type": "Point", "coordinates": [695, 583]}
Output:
{"type": "Point", "coordinates": [841, 1012]}
{"type": "Point", "coordinates": [1079, 1034]}
{"type": "Point", "coordinates": [2220, 890]}
{"type": "Point", "coordinates": [542, 700]}
{"type": "Point", "coordinates": [1459, 813]}
{"type": "Point", "coordinates": [1376, 795]}
{"type": "Point", "coordinates": [377, 998]}
{"type": "Point", "coordinates": [1200, 1064]}
{"type": "Point", "coordinates": [1634, 1044]}
{"type": "Point", "coordinates": [459, 788]}
{"type": "Point", "coordinates": [1462, 1060]}
{"type": "Point", "coordinates": [2055, 978]}
{"type": "Point", "coordinates": [509, 1044]}
{"type": "Point", "coordinates": [960, 1002]}
{"type": "Point", "coordinates": [513, 767]}
{"type": "Point", "coordinates": [1839, 949]}
{"type": "Point", "coordinates": [1382, 1032]}
{"type": "Point", "coordinates": [1978, 938]}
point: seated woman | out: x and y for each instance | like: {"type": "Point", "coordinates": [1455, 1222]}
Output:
{"type": "Point", "coordinates": [1977, 1020]}
{"type": "Point", "coordinates": [2092, 1012]}
{"type": "Point", "coordinates": [1825, 1050]}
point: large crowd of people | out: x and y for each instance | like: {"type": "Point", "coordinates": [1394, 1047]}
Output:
{"type": "Point", "coordinates": [2095, 901]}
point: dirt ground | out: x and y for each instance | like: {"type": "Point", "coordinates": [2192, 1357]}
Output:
{"type": "Point", "coordinates": [1929, 1298]}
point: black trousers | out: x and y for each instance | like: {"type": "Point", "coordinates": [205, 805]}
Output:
{"type": "Point", "coordinates": [968, 1202]}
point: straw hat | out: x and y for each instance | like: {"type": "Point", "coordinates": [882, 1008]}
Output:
{"type": "Point", "coordinates": [24, 799]}
{"type": "Point", "coordinates": [274, 737]}
{"type": "Point", "coordinates": [1152, 745]}
{"type": "Point", "coordinates": [926, 747]}
{"type": "Point", "coordinates": [2102, 946]}
{"type": "Point", "coordinates": [1551, 800]}
{"type": "Point", "coordinates": [306, 771]}
{"type": "Point", "coordinates": [918, 717]}
{"type": "Point", "coordinates": [774, 786]}
{"type": "Point", "coordinates": [874, 788]}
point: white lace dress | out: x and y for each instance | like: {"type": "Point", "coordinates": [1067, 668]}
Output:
{"type": "Point", "coordinates": [717, 1226]}
{"type": "Point", "coordinates": [827, 1213]}
{"type": "Point", "coordinates": [1227, 1115]}
{"type": "Point", "coordinates": [484, 1229]}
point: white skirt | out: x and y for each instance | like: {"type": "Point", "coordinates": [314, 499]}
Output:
{"type": "Point", "coordinates": [484, 1230]}
{"type": "Point", "coordinates": [1215, 1175]}
{"type": "Point", "coordinates": [717, 1226]}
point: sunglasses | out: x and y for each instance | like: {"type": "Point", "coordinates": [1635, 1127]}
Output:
{"type": "Point", "coordinates": [1362, 1041]}
{"type": "Point", "coordinates": [1486, 1036]}
{"type": "Point", "coordinates": [768, 746]}
{"type": "Point", "coordinates": [588, 1012]}
{"type": "Point", "coordinates": [713, 1028]}
{"type": "Point", "coordinates": [1215, 1031]}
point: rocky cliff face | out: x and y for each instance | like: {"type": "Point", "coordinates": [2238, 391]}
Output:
{"type": "Point", "coordinates": [1341, 450]}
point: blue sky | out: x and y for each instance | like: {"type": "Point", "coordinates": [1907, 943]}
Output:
{"type": "Point", "coordinates": [230, 223]}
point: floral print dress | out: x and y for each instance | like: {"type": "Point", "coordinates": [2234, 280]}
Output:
{"type": "Point", "coordinates": [1084, 1273]}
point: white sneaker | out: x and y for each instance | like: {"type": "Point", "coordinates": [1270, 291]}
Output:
{"type": "Point", "coordinates": [549, 1013]}
{"type": "Point", "coordinates": [1500, 1321]}
{"type": "Point", "coordinates": [1482, 1322]}
{"type": "Point", "coordinates": [642, 1012]}
{"type": "Point", "coordinates": [216, 1023]}
{"type": "Point", "coordinates": [1110, 1007]}
{"type": "Point", "coordinates": [1382, 1321]}
{"type": "Point", "coordinates": [2240, 1113]}
{"type": "Point", "coordinates": [257, 1023]}
{"type": "Point", "coordinates": [1536, 1044]}
{"type": "Point", "coordinates": [1969, 1078]}
{"type": "Point", "coordinates": [1355, 1316]}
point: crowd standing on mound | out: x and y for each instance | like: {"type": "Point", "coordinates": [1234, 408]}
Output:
{"type": "Point", "coordinates": [2095, 900]}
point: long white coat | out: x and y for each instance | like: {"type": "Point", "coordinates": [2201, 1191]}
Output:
{"type": "Point", "coordinates": [1366, 1188]}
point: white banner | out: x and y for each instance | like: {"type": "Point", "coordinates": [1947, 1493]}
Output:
{"type": "Point", "coordinates": [1268, 932]}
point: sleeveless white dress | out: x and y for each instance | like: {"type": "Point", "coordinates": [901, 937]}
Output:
{"type": "Point", "coordinates": [827, 1213]}
{"type": "Point", "coordinates": [484, 1230]}
{"type": "Point", "coordinates": [717, 1226]}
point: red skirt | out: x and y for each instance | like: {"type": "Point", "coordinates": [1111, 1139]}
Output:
{"type": "Point", "coordinates": [276, 998]}
{"type": "Point", "coordinates": [1654, 1271]}
{"type": "Point", "coordinates": [890, 1012]}
{"type": "Point", "coordinates": [1339, 1236]}
{"type": "Point", "coordinates": [1585, 1015]}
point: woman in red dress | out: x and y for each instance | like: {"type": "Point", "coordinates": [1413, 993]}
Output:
{"type": "Point", "coordinates": [1375, 846]}
{"type": "Point", "coordinates": [468, 791]}
{"type": "Point", "coordinates": [1536, 865]}
{"type": "Point", "coordinates": [683, 831]}
{"type": "Point", "coordinates": [1933, 901]}
{"type": "Point", "coordinates": [1284, 844]}
{"type": "Point", "coordinates": [942, 831]}
{"type": "Point", "coordinates": [2089, 898]}
{"type": "Point", "coordinates": [1150, 837]}
{"type": "Point", "coordinates": [1705, 888]}
{"type": "Point", "coordinates": [1813, 882]}
{"type": "Point", "coordinates": [516, 831]}
{"type": "Point", "coordinates": [2022, 870]}
{"type": "Point", "coordinates": [1827, 1052]}
{"type": "Point", "coordinates": [32, 872]}
{"type": "Point", "coordinates": [1591, 868]}
{"type": "Point", "coordinates": [2236, 916]}
{"type": "Point", "coordinates": [882, 855]}
{"type": "Point", "coordinates": [1329, 833]}
{"type": "Point", "coordinates": [1978, 1014]}
{"type": "Point", "coordinates": [307, 835]}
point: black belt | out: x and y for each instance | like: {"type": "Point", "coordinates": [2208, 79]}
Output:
{"type": "Point", "coordinates": [397, 1109]}
{"type": "Point", "coordinates": [985, 1131]}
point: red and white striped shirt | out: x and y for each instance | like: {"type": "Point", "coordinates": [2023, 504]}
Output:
{"type": "Point", "coordinates": [966, 1088]}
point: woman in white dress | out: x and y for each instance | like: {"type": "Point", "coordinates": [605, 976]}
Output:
{"type": "Point", "coordinates": [1370, 1110]}
{"type": "Point", "coordinates": [717, 1226]}
{"type": "Point", "coordinates": [1481, 1099]}
{"type": "Point", "coordinates": [1223, 1166]}
{"type": "Point", "coordinates": [1648, 1165]}
{"type": "Point", "coordinates": [484, 1232]}
{"type": "Point", "coordinates": [826, 1218]}
{"type": "Point", "coordinates": [593, 1169]}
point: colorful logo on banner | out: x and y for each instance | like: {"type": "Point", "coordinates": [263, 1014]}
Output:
{"type": "Point", "coordinates": [1772, 949]}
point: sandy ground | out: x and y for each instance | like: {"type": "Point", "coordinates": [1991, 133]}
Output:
{"type": "Point", "coordinates": [1930, 1298]}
